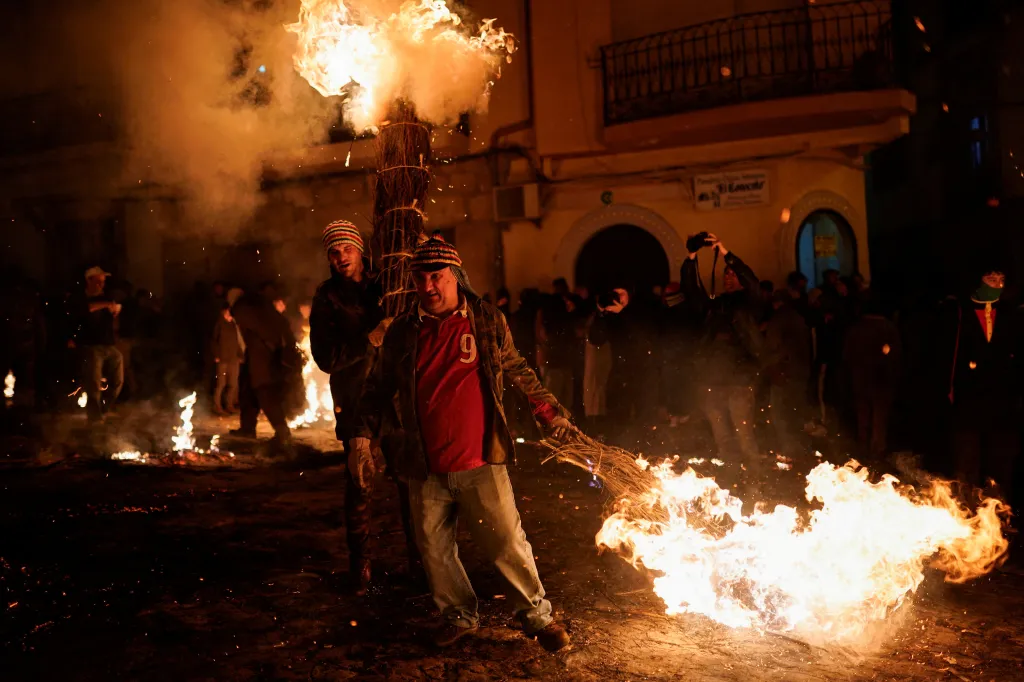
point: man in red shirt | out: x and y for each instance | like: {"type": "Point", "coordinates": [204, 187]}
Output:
{"type": "Point", "coordinates": [439, 380]}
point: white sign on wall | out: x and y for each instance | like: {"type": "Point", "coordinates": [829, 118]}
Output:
{"type": "Point", "coordinates": [740, 189]}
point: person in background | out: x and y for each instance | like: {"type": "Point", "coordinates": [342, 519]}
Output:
{"type": "Point", "coordinates": [524, 327]}
{"type": "Point", "coordinates": [96, 341]}
{"type": "Point", "coordinates": [346, 326]}
{"type": "Point", "coordinates": [983, 347]}
{"type": "Point", "coordinates": [503, 302]}
{"type": "Point", "coordinates": [445, 363]}
{"type": "Point", "coordinates": [727, 353]}
{"type": "Point", "coordinates": [873, 358]}
{"type": "Point", "coordinates": [557, 339]}
{"type": "Point", "coordinates": [228, 355]}
{"type": "Point", "coordinates": [787, 363]}
{"type": "Point", "coordinates": [271, 362]}
{"type": "Point", "coordinates": [626, 325]}
{"type": "Point", "coordinates": [766, 297]}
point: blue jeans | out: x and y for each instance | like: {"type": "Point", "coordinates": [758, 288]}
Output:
{"type": "Point", "coordinates": [485, 499]}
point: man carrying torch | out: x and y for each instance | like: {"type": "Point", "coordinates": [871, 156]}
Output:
{"type": "Point", "coordinates": [443, 365]}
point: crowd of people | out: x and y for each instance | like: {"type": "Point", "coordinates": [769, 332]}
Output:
{"type": "Point", "coordinates": [426, 391]}
{"type": "Point", "coordinates": [780, 369]}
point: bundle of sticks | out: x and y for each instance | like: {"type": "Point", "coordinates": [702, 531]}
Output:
{"type": "Point", "coordinates": [400, 196]}
{"type": "Point", "coordinates": [617, 468]}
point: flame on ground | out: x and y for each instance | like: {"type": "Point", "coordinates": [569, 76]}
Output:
{"type": "Point", "coordinates": [183, 439]}
{"type": "Point", "coordinates": [9, 385]}
{"type": "Point", "coordinates": [421, 54]}
{"type": "Point", "coordinates": [319, 404]}
{"type": "Point", "coordinates": [826, 576]}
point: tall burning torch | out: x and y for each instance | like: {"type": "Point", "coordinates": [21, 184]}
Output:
{"type": "Point", "coordinates": [398, 72]}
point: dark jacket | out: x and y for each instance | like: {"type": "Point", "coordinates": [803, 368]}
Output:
{"type": "Point", "coordinates": [730, 348]}
{"type": "Point", "coordinates": [388, 403]}
{"type": "Point", "coordinates": [271, 355]}
{"type": "Point", "coordinates": [340, 321]}
{"type": "Point", "coordinates": [873, 354]}
{"type": "Point", "coordinates": [631, 333]}
{"type": "Point", "coordinates": [985, 376]}
{"type": "Point", "coordinates": [224, 345]}
{"type": "Point", "coordinates": [787, 348]}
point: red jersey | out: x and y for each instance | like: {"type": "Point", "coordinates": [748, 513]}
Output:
{"type": "Point", "coordinates": [451, 393]}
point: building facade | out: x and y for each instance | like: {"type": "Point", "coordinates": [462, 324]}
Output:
{"type": "Point", "coordinates": [618, 129]}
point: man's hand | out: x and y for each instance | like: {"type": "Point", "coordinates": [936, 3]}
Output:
{"type": "Point", "coordinates": [560, 429]}
{"type": "Point", "coordinates": [621, 301]}
{"type": "Point", "coordinates": [714, 243]}
{"type": "Point", "coordinates": [377, 335]}
{"type": "Point", "coordinates": [360, 461]}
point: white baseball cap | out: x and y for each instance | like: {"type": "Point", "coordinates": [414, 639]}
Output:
{"type": "Point", "coordinates": [96, 271]}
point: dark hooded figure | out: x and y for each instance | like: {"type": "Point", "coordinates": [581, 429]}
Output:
{"type": "Point", "coordinates": [873, 359]}
{"type": "Point", "coordinates": [729, 351]}
{"type": "Point", "coordinates": [271, 369]}
{"type": "Point", "coordinates": [346, 311]}
{"type": "Point", "coordinates": [984, 368]}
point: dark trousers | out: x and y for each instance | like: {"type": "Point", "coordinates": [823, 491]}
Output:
{"type": "Point", "coordinates": [268, 398]}
{"type": "Point", "coordinates": [225, 394]}
{"type": "Point", "coordinates": [873, 410]}
{"type": "Point", "coordinates": [358, 515]}
{"type": "Point", "coordinates": [981, 454]}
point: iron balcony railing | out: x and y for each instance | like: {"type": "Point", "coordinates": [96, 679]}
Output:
{"type": "Point", "coordinates": [814, 49]}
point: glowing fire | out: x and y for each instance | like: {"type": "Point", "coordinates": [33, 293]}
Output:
{"type": "Point", "coordinates": [82, 399]}
{"type": "Point", "coordinates": [183, 439]}
{"type": "Point", "coordinates": [421, 53]}
{"type": "Point", "coordinates": [9, 385]}
{"type": "Point", "coordinates": [828, 576]}
{"type": "Point", "coordinates": [319, 404]}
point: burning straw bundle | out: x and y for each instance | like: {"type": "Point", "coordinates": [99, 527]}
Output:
{"type": "Point", "coordinates": [618, 469]}
{"type": "Point", "coordinates": [400, 194]}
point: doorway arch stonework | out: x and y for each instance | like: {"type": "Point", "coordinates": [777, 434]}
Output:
{"type": "Point", "coordinates": [818, 200]}
{"type": "Point", "coordinates": [617, 214]}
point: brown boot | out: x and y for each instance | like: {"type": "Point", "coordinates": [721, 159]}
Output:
{"type": "Point", "coordinates": [552, 637]}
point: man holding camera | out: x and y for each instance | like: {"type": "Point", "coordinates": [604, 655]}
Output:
{"type": "Point", "coordinates": [729, 349]}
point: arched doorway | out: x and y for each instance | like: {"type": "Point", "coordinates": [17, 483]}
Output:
{"type": "Point", "coordinates": [622, 255]}
{"type": "Point", "coordinates": [825, 241]}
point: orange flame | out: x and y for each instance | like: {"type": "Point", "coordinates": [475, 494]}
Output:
{"type": "Point", "coordinates": [421, 53]}
{"type": "Point", "coordinates": [828, 576]}
{"type": "Point", "coordinates": [319, 403]}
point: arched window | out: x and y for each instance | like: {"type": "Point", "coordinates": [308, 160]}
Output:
{"type": "Point", "coordinates": [825, 242]}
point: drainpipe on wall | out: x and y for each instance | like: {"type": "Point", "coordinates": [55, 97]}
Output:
{"type": "Point", "coordinates": [494, 148]}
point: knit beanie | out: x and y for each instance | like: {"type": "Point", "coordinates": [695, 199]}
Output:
{"type": "Point", "coordinates": [341, 232]}
{"type": "Point", "coordinates": [435, 254]}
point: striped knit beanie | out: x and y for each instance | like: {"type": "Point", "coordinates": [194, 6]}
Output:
{"type": "Point", "coordinates": [341, 232]}
{"type": "Point", "coordinates": [435, 253]}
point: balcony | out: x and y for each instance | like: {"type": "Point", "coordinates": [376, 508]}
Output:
{"type": "Point", "coordinates": [826, 49]}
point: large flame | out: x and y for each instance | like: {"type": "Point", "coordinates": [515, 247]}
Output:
{"type": "Point", "coordinates": [421, 53]}
{"type": "Point", "coordinates": [319, 404]}
{"type": "Point", "coordinates": [9, 385]}
{"type": "Point", "coordinates": [826, 576]}
{"type": "Point", "coordinates": [183, 439]}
